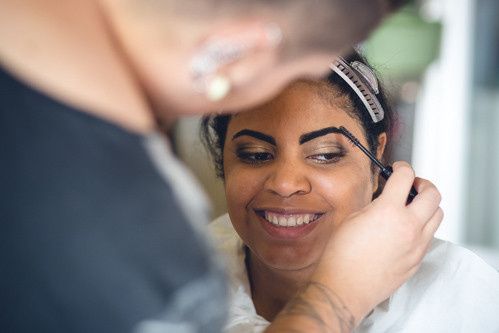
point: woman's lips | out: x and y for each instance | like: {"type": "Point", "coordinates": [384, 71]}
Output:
{"type": "Point", "coordinates": [288, 219]}
{"type": "Point", "coordinates": [286, 225]}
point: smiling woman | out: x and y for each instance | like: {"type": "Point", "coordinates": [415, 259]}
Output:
{"type": "Point", "coordinates": [282, 168]}
{"type": "Point", "coordinates": [291, 178]}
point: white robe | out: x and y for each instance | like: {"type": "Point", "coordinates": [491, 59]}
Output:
{"type": "Point", "coordinates": [453, 291]}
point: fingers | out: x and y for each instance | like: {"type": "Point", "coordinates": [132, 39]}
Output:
{"type": "Point", "coordinates": [397, 187]}
{"type": "Point", "coordinates": [432, 225]}
{"type": "Point", "coordinates": [426, 203]}
{"type": "Point", "coordinates": [425, 238]}
{"type": "Point", "coordinates": [425, 206]}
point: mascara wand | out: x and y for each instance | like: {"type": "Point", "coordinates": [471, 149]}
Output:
{"type": "Point", "coordinates": [386, 171]}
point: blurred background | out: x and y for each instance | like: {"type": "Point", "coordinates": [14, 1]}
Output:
{"type": "Point", "coordinates": [439, 60]}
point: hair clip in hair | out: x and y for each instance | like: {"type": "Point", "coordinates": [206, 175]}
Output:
{"type": "Point", "coordinates": [367, 75]}
{"type": "Point", "coordinates": [364, 83]}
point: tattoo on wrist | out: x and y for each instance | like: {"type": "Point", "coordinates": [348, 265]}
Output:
{"type": "Point", "coordinates": [314, 296]}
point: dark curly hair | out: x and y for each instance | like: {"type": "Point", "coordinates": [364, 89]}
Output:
{"type": "Point", "coordinates": [214, 127]}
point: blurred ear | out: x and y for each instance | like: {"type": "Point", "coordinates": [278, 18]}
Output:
{"type": "Point", "coordinates": [239, 51]}
{"type": "Point", "coordinates": [382, 140]}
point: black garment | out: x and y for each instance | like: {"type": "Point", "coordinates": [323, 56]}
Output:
{"type": "Point", "coordinates": [91, 239]}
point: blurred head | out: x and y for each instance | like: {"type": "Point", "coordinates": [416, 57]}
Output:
{"type": "Point", "coordinates": [201, 56]}
{"type": "Point", "coordinates": [287, 183]}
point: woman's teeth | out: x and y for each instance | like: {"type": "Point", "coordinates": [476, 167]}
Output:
{"type": "Point", "coordinates": [290, 220]}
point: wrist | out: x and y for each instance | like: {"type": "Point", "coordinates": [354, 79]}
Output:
{"type": "Point", "coordinates": [353, 299]}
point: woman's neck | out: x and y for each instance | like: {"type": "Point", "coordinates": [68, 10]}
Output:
{"type": "Point", "coordinates": [271, 289]}
{"type": "Point", "coordinates": [64, 48]}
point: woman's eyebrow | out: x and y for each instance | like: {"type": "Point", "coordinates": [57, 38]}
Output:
{"type": "Point", "coordinates": [256, 135]}
{"type": "Point", "coordinates": [315, 134]}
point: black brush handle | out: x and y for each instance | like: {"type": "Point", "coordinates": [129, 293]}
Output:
{"type": "Point", "coordinates": [387, 171]}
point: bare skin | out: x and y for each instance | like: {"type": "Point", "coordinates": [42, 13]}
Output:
{"type": "Point", "coordinates": [90, 61]}
{"type": "Point", "coordinates": [339, 308]}
{"type": "Point", "coordinates": [270, 172]}
{"type": "Point", "coordinates": [324, 177]}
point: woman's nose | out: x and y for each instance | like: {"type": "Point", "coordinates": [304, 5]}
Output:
{"type": "Point", "coordinates": [287, 179]}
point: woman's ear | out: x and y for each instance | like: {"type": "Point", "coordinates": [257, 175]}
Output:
{"type": "Point", "coordinates": [382, 140]}
{"type": "Point", "coordinates": [234, 54]}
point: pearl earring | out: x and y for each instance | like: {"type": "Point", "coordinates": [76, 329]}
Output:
{"type": "Point", "coordinates": [217, 88]}
{"type": "Point", "coordinates": [218, 52]}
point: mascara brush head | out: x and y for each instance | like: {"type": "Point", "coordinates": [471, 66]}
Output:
{"type": "Point", "coordinates": [385, 172]}
{"type": "Point", "coordinates": [349, 136]}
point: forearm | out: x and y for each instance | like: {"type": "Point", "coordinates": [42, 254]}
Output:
{"type": "Point", "coordinates": [315, 309]}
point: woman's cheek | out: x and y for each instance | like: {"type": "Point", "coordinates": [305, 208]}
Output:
{"type": "Point", "coordinates": [239, 188]}
{"type": "Point", "coordinates": [345, 192]}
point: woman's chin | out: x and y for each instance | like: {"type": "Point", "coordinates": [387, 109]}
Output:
{"type": "Point", "coordinates": [291, 264]}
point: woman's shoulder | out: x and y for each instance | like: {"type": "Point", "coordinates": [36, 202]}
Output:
{"type": "Point", "coordinates": [221, 225]}
{"type": "Point", "coordinates": [228, 244]}
{"type": "Point", "coordinates": [450, 271]}
{"type": "Point", "coordinates": [242, 313]}
{"type": "Point", "coordinates": [454, 290]}
{"type": "Point", "coordinates": [446, 260]}
{"type": "Point", "coordinates": [223, 234]}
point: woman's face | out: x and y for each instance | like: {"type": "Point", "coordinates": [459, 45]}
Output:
{"type": "Point", "coordinates": [288, 184]}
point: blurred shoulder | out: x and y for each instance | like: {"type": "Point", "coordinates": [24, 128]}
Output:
{"type": "Point", "coordinates": [221, 229]}
{"type": "Point", "coordinates": [454, 290]}
{"type": "Point", "coordinates": [446, 258]}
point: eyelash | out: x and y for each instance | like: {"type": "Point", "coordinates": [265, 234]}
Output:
{"type": "Point", "coordinates": [254, 157]}
{"type": "Point", "coordinates": [327, 158]}
{"type": "Point", "coordinates": [258, 158]}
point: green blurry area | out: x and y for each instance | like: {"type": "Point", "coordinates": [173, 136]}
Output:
{"type": "Point", "coordinates": [404, 45]}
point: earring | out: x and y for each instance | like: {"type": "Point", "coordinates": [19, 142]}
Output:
{"type": "Point", "coordinates": [206, 64]}
{"type": "Point", "coordinates": [216, 53]}
{"type": "Point", "coordinates": [217, 88]}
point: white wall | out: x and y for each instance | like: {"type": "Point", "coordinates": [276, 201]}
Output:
{"type": "Point", "coordinates": [440, 131]}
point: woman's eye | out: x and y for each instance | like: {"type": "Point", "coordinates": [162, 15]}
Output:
{"type": "Point", "coordinates": [254, 157]}
{"type": "Point", "coordinates": [326, 158]}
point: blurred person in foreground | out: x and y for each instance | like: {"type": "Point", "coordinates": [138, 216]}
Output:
{"type": "Point", "coordinates": [99, 223]}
